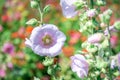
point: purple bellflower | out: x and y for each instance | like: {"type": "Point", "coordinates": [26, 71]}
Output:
{"type": "Point", "coordinates": [68, 8]}
{"type": "Point", "coordinates": [46, 40]}
{"type": "Point", "coordinates": [79, 65]}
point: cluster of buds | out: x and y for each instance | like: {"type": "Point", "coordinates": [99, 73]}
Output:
{"type": "Point", "coordinates": [98, 30]}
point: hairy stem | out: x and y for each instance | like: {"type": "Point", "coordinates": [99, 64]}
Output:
{"type": "Point", "coordinates": [92, 4]}
{"type": "Point", "coordinates": [109, 49]}
{"type": "Point", "coordinates": [41, 14]}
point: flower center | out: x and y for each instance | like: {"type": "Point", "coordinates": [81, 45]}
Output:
{"type": "Point", "coordinates": [47, 40]}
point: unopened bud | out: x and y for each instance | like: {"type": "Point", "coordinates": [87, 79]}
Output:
{"type": "Point", "coordinates": [116, 73]}
{"type": "Point", "coordinates": [97, 73]}
{"type": "Point", "coordinates": [84, 44]}
{"type": "Point", "coordinates": [105, 43]}
{"type": "Point", "coordinates": [50, 71]}
{"type": "Point", "coordinates": [108, 12]}
{"type": "Point", "coordinates": [100, 3]}
{"type": "Point", "coordinates": [91, 13]}
{"type": "Point", "coordinates": [103, 70]}
{"type": "Point", "coordinates": [107, 54]}
{"type": "Point", "coordinates": [89, 24]}
{"type": "Point", "coordinates": [117, 25]}
{"type": "Point", "coordinates": [34, 4]}
{"type": "Point", "coordinates": [91, 49]}
{"type": "Point", "coordinates": [48, 61]}
{"type": "Point", "coordinates": [36, 78]}
{"type": "Point", "coordinates": [96, 38]}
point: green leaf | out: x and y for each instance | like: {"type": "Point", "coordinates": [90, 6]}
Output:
{"type": "Point", "coordinates": [32, 22]}
{"type": "Point", "coordinates": [46, 9]}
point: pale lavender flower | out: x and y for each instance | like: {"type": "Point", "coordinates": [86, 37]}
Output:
{"type": "Point", "coordinates": [8, 48]}
{"type": "Point", "coordinates": [113, 64]}
{"type": "Point", "coordinates": [46, 40]}
{"type": "Point", "coordinates": [91, 13]}
{"type": "Point", "coordinates": [111, 29]}
{"type": "Point", "coordinates": [10, 65]}
{"type": "Point", "coordinates": [79, 65]}
{"type": "Point", "coordinates": [96, 38]}
{"type": "Point", "coordinates": [68, 8]}
{"type": "Point", "coordinates": [2, 73]}
{"type": "Point", "coordinates": [118, 59]}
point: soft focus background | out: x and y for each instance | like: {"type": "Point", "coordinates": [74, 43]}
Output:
{"type": "Point", "coordinates": [17, 62]}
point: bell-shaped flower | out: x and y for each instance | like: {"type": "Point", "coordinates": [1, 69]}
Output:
{"type": "Point", "coordinates": [68, 8]}
{"type": "Point", "coordinates": [46, 40]}
{"type": "Point", "coordinates": [79, 65]}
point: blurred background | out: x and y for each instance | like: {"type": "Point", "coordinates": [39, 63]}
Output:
{"type": "Point", "coordinates": [17, 62]}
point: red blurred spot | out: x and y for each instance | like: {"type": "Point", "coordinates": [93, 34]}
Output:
{"type": "Point", "coordinates": [14, 35]}
{"type": "Point", "coordinates": [68, 51]}
{"type": "Point", "coordinates": [5, 18]}
{"type": "Point", "coordinates": [117, 78]}
{"type": "Point", "coordinates": [29, 29]}
{"type": "Point", "coordinates": [74, 37]}
{"type": "Point", "coordinates": [40, 66]}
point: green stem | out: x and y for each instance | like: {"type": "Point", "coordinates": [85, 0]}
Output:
{"type": "Point", "coordinates": [93, 19]}
{"type": "Point", "coordinates": [109, 35]}
{"type": "Point", "coordinates": [110, 50]}
{"type": "Point", "coordinates": [92, 4]}
{"type": "Point", "coordinates": [54, 78]}
{"type": "Point", "coordinates": [41, 14]}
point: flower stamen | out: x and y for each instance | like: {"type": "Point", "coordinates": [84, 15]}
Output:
{"type": "Point", "coordinates": [47, 40]}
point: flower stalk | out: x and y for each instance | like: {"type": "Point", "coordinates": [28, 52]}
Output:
{"type": "Point", "coordinates": [41, 14]}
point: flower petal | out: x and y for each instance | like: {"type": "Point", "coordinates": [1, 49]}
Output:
{"type": "Point", "coordinates": [41, 51]}
{"type": "Point", "coordinates": [49, 26]}
{"type": "Point", "coordinates": [28, 43]}
{"type": "Point", "coordinates": [60, 36]}
{"type": "Point", "coordinates": [68, 9]}
{"type": "Point", "coordinates": [56, 49]}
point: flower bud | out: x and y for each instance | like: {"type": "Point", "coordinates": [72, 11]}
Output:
{"type": "Point", "coordinates": [36, 78]}
{"type": "Point", "coordinates": [93, 75]}
{"type": "Point", "coordinates": [32, 22]}
{"type": "Point", "coordinates": [88, 56]}
{"type": "Point", "coordinates": [100, 3]}
{"type": "Point", "coordinates": [103, 25]}
{"type": "Point", "coordinates": [84, 44]}
{"type": "Point", "coordinates": [117, 25]}
{"type": "Point", "coordinates": [101, 63]}
{"type": "Point", "coordinates": [34, 4]}
{"type": "Point", "coordinates": [106, 78]}
{"type": "Point", "coordinates": [107, 54]}
{"type": "Point", "coordinates": [116, 73]}
{"type": "Point", "coordinates": [108, 12]}
{"type": "Point", "coordinates": [96, 38]}
{"type": "Point", "coordinates": [89, 24]}
{"type": "Point", "coordinates": [105, 43]}
{"type": "Point", "coordinates": [50, 71]}
{"type": "Point", "coordinates": [91, 13]}
{"type": "Point", "coordinates": [103, 70]}
{"type": "Point", "coordinates": [92, 49]}
{"type": "Point", "coordinates": [48, 61]}
{"type": "Point", "coordinates": [97, 73]}
{"type": "Point", "coordinates": [106, 18]}
{"type": "Point", "coordinates": [101, 16]}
